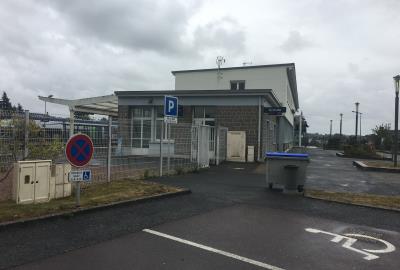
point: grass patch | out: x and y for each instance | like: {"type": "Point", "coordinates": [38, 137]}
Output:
{"type": "Point", "coordinates": [380, 201]}
{"type": "Point", "coordinates": [381, 164]}
{"type": "Point", "coordinates": [91, 195]}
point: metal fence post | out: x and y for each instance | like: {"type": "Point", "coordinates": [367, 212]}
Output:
{"type": "Point", "coordinates": [198, 146]}
{"type": "Point", "coordinates": [168, 125]}
{"type": "Point", "coordinates": [26, 137]}
{"type": "Point", "coordinates": [71, 133]}
{"type": "Point", "coordinates": [109, 149]}
{"type": "Point", "coordinates": [71, 122]}
{"type": "Point", "coordinates": [161, 150]}
{"type": "Point", "coordinates": [217, 134]}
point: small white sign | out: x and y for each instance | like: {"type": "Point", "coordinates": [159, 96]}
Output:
{"type": "Point", "coordinates": [170, 120]}
{"type": "Point", "coordinates": [80, 176]}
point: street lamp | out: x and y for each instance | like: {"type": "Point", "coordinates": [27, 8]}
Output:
{"type": "Point", "coordinates": [396, 117]}
{"type": "Point", "coordinates": [45, 119]}
{"type": "Point", "coordinates": [45, 109]}
{"type": "Point", "coordinates": [341, 119]}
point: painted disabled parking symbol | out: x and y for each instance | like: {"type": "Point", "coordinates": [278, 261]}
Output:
{"type": "Point", "coordinates": [349, 239]}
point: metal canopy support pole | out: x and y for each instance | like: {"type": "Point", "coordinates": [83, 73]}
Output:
{"type": "Point", "coordinates": [26, 138]}
{"type": "Point", "coordinates": [109, 149]}
{"type": "Point", "coordinates": [161, 150]}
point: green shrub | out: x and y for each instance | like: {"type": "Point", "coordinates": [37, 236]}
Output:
{"type": "Point", "coordinates": [360, 151]}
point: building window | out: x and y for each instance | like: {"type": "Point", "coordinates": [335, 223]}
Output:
{"type": "Point", "coordinates": [237, 85]}
{"type": "Point", "coordinates": [141, 127]}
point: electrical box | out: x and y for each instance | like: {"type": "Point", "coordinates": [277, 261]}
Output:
{"type": "Point", "coordinates": [32, 181]}
{"type": "Point", "coordinates": [250, 153]}
{"type": "Point", "coordinates": [61, 187]}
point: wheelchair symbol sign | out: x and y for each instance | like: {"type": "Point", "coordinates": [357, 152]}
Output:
{"type": "Point", "coordinates": [349, 239]}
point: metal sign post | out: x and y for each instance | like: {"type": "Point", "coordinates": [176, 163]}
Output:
{"type": "Point", "coordinates": [171, 109]}
{"type": "Point", "coordinates": [79, 151]}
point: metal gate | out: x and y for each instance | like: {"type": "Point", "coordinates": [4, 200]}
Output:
{"type": "Point", "coordinates": [201, 145]}
{"type": "Point", "coordinates": [220, 144]}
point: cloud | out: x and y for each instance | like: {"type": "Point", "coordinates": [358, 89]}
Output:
{"type": "Point", "coordinates": [295, 42]}
{"type": "Point", "coordinates": [225, 33]}
{"type": "Point", "coordinates": [345, 51]}
{"type": "Point", "coordinates": [136, 25]}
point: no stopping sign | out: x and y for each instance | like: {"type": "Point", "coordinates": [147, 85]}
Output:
{"type": "Point", "coordinates": [79, 150]}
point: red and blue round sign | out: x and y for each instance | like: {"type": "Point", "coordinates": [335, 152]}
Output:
{"type": "Point", "coordinates": [79, 150]}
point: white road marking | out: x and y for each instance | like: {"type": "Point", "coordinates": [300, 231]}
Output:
{"type": "Point", "coordinates": [217, 251]}
{"type": "Point", "coordinates": [349, 241]}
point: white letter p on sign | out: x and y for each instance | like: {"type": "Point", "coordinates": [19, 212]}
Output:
{"type": "Point", "coordinates": [171, 105]}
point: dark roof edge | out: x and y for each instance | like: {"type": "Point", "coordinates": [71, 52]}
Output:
{"type": "Point", "coordinates": [193, 92]}
{"type": "Point", "coordinates": [230, 68]}
{"type": "Point", "coordinates": [291, 74]}
{"type": "Point", "coordinates": [250, 92]}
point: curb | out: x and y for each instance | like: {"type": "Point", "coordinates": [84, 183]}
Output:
{"type": "Point", "coordinates": [361, 165]}
{"type": "Point", "coordinates": [95, 208]}
{"type": "Point", "coordinates": [351, 203]}
{"type": "Point", "coordinates": [342, 155]}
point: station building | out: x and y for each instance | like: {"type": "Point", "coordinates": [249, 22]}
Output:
{"type": "Point", "coordinates": [232, 97]}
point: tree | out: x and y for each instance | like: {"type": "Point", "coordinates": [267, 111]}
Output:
{"type": "Point", "coordinates": [5, 102]}
{"type": "Point", "coordinates": [19, 108]}
{"type": "Point", "coordinates": [82, 115]}
{"type": "Point", "coordinates": [383, 136]}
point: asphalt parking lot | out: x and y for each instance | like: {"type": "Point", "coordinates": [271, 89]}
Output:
{"type": "Point", "coordinates": [331, 173]}
{"type": "Point", "coordinates": [230, 221]}
{"type": "Point", "coordinates": [238, 237]}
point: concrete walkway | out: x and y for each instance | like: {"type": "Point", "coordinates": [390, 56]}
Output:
{"type": "Point", "coordinates": [331, 173]}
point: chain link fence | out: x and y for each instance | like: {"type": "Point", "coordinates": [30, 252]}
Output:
{"type": "Point", "coordinates": [133, 148]}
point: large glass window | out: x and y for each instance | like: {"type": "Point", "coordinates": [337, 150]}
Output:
{"type": "Point", "coordinates": [141, 127]}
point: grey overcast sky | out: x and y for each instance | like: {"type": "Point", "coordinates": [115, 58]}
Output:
{"type": "Point", "coordinates": [345, 51]}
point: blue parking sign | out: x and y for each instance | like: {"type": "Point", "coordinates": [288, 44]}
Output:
{"type": "Point", "coordinates": [170, 106]}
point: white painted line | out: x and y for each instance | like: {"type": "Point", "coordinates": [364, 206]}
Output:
{"type": "Point", "coordinates": [221, 252]}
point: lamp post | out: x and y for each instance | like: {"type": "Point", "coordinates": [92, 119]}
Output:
{"type": "Point", "coordinates": [396, 118]}
{"type": "Point", "coordinates": [330, 129]}
{"type": "Point", "coordinates": [45, 109]}
{"type": "Point", "coordinates": [341, 119]}
{"type": "Point", "coordinates": [357, 104]}
{"type": "Point", "coordinates": [45, 113]}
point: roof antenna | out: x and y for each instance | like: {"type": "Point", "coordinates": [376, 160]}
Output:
{"type": "Point", "coordinates": [219, 61]}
